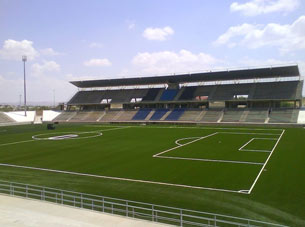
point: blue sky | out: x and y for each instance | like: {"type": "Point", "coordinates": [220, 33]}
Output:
{"type": "Point", "coordinates": [74, 40]}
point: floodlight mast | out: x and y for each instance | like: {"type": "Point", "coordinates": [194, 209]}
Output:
{"type": "Point", "coordinates": [24, 58]}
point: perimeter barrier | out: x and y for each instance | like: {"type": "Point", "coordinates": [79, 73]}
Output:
{"type": "Point", "coordinates": [132, 209]}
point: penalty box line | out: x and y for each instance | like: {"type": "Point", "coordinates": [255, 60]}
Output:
{"type": "Point", "coordinates": [263, 167]}
{"type": "Point", "coordinates": [256, 138]}
{"type": "Point", "coordinates": [122, 179]}
{"type": "Point", "coordinates": [202, 159]}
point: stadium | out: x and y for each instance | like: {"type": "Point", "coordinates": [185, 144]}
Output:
{"type": "Point", "coordinates": [213, 148]}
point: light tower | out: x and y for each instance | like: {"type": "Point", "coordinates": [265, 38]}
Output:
{"type": "Point", "coordinates": [24, 58]}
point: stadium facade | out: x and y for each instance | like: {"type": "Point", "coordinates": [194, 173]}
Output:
{"type": "Point", "coordinates": [259, 95]}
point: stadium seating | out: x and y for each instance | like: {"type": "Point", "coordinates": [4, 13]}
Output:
{"type": "Point", "coordinates": [276, 90]}
{"type": "Point", "coordinates": [141, 114]}
{"type": "Point", "coordinates": [232, 115]}
{"type": "Point", "coordinates": [175, 115]}
{"type": "Point", "coordinates": [111, 115]}
{"type": "Point", "coordinates": [284, 116]}
{"type": "Point", "coordinates": [191, 115]}
{"type": "Point", "coordinates": [127, 115]}
{"type": "Point", "coordinates": [169, 94]}
{"type": "Point", "coordinates": [188, 93]}
{"type": "Point", "coordinates": [87, 97]}
{"type": "Point", "coordinates": [151, 94]}
{"type": "Point", "coordinates": [65, 116]}
{"type": "Point", "coordinates": [230, 91]}
{"type": "Point", "coordinates": [256, 116]}
{"type": "Point", "coordinates": [159, 113]}
{"type": "Point", "coordinates": [212, 115]}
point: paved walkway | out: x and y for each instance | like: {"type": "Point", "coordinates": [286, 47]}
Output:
{"type": "Point", "coordinates": [26, 212]}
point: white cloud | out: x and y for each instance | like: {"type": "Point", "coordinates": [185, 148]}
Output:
{"type": "Point", "coordinates": [257, 7]}
{"type": "Point", "coordinates": [159, 34]}
{"type": "Point", "coordinates": [96, 45]}
{"type": "Point", "coordinates": [98, 62]}
{"type": "Point", "coordinates": [47, 66]}
{"type": "Point", "coordinates": [49, 52]}
{"type": "Point", "coordinates": [13, 50]}
{"type": "Point", "coordinates": [287, 37]}
{"type": "Point", "coordinates": [172, 62]}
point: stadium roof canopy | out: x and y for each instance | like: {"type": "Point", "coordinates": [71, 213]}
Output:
{"type": "Point", "coordinates": [241, 74]}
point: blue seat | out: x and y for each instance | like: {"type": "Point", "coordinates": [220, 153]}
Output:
{"type": "Point", "coordinates": [141, 114]}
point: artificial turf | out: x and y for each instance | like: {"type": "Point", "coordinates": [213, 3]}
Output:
{"type": "Point", "coordinates": [278, 196]}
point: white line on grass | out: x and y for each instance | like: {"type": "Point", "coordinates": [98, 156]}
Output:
{"type": "Point", "coordinates": [246, 144]}
{"type": "Point", "coordinates": [177, 127]}
{"type": "Point", "coordinates": [250, 133]}
{"type": "Point", "coordinates": [200, 138]}
{"type": "Point", "coordinates": [24, 141]}
{"type": "Point", "coordinates": [187, 138]}
{"type": "Point", "coordinates": [212, 160]}
{"type": "Point", "coordinates": [267, 151]}
{"type": "Point", "coordinates": [208, 160]}
{"type": "Point", "coordinates": [37, 139]}
{"type": "Point", "coordinates": [120, 178]}
{"type": "Point", "coordinates": [260, 172]}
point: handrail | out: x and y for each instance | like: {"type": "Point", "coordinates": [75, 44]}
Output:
{"type": "Point", "coordinates": [153, 212]}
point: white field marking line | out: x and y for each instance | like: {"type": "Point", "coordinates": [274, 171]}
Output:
{"type": "Point", "coordinates": [260, 138]}
{"type": "Point", "coordinates": [260, 172]}
{"type": "Point", "coordinates": [250, 133]}
{"type": "Point", "coordinates": [173, 148]}
{"type": "Point", "coordinates": [212, 160]}
{"type": "Point", "coordinates": [119, 178]}
{"type": "Point", "coordinates": [98, 132]}
{"type": "Point", "coordinates": [175, 127]}
{"type": "Point", "coordinates": [26, 141]}
{"type": "Point", "coordinates": [23, 141]}
{"type": "Point", "coordinates": [264, 151]}
{"type": "Point", "coordinates": [267, 151]}
{"type": "Point", "coordinates": [246, 144]}
{"type": "Point", "coordinates": [209, 160]}
{"type": "Point", "coordinates": [177, 141]}
{"type": "Point", "coordinates": [36, 137]}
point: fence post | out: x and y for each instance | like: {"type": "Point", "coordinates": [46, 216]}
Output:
{"type": "Point", "coordinates": [152, 212]}
{"type": "Point", "coordinates": [103, 204]}
{"type": "Point", "coordinates": [62, 198]}
{"type": "Point", "coordinates": [92, 205]}
{"type": "Point", "coordinates": [126, 208]}
{"type": "Point", "coordinates": [81, 200]}
{"type": "Point", "coordinates": [11, 189]}
{"type": "Point", "coordinates": [26, 191]}
{"type": "Point", "coordinates": [112, 208]}
{"type": "Point", "coordinates": [181, 218]}
{"type": "Point", "coordinates": [214, 220]}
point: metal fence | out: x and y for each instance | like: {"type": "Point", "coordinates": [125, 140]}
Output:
{"type": "Point", "coordinates": [146, 211]}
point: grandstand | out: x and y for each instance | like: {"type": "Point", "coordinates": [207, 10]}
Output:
{"type": "Point", "coordinates": [259, 95]}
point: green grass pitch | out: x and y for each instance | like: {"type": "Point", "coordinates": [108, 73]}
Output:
{"type": "Point", "coordinates": [247, 172]}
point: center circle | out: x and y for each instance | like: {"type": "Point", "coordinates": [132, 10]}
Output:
{"type": "Point", "coordinates": [67, 135]}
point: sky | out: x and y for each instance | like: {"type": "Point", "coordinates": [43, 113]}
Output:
{"type": "Point", "coordinates": [98, 39]}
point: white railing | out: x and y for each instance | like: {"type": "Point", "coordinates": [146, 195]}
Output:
{"type": "Point", "coordinates": [146, 211]}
